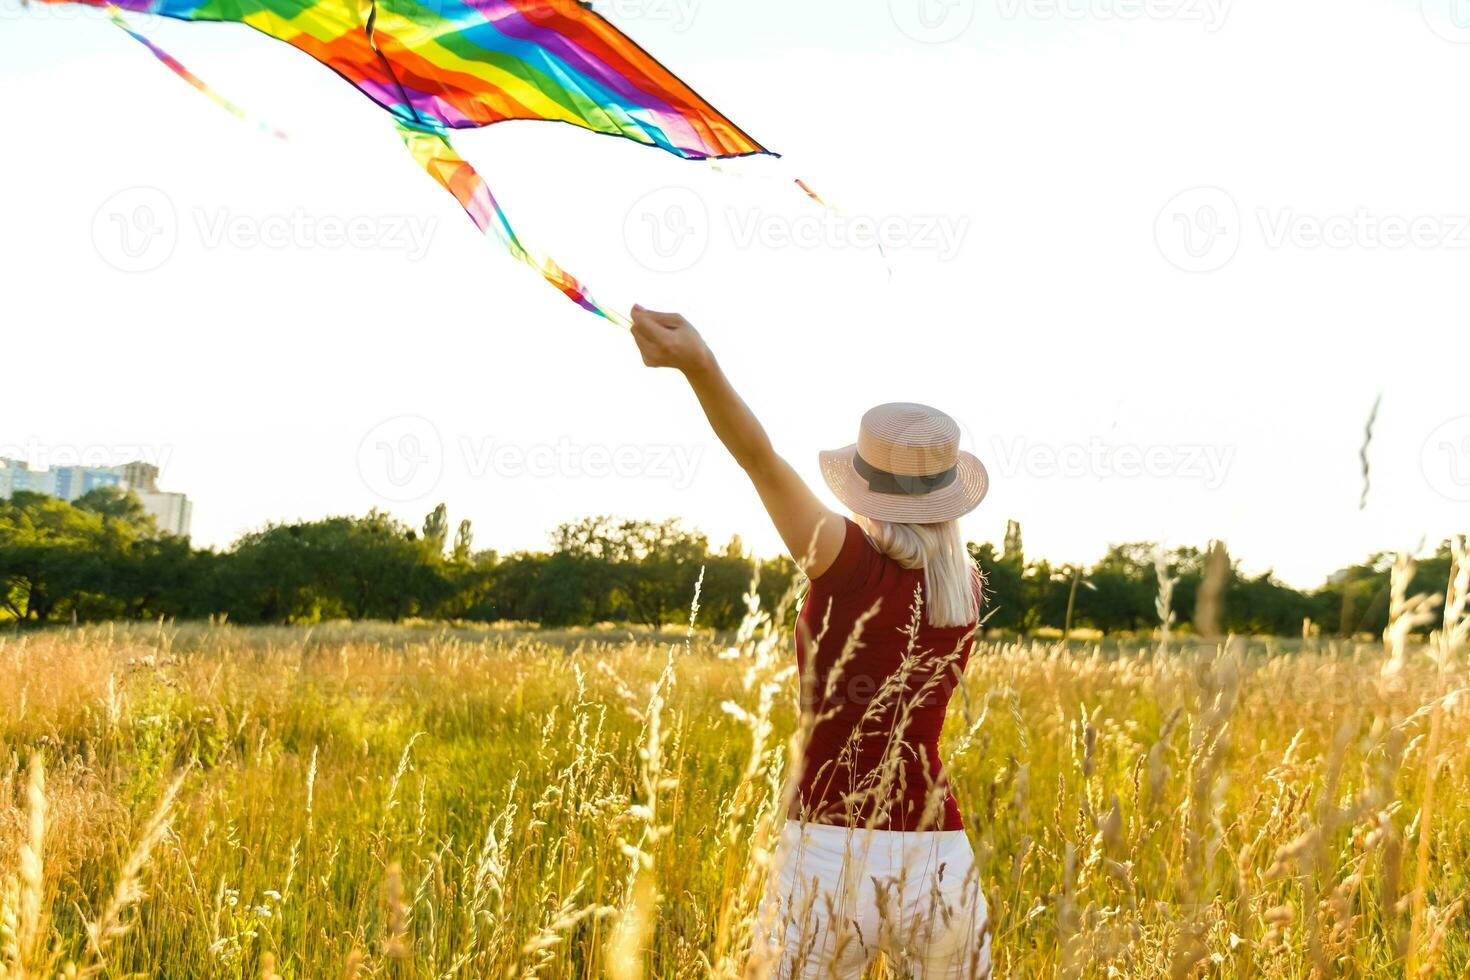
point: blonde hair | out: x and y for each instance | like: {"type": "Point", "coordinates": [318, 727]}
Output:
{"type": "Point", "coordinates": [951, 597]}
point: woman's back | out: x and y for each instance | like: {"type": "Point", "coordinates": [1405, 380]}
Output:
{"type": "Point", "coordinates": [876, 680]}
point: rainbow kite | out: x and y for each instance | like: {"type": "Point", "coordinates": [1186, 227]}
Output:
{"type": "Point", "coordinates": [441, 65]}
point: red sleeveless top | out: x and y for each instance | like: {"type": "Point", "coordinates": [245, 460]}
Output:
{"type": "Point", "coordinates": [872, 759]}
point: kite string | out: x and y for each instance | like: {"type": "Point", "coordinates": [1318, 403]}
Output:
{"type": "Point", "coordinates": [175, 66]}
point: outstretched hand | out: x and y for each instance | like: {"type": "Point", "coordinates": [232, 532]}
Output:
{"type": "Point", "coordinates": [813, 534]}
{"type": "Point", "coordinates": [669, 340]}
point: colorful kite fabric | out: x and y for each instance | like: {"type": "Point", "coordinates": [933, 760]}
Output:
{"type": "Point", "coordinates": [440, 65]}
{"type": "Point", "coordinates": [461, 64]}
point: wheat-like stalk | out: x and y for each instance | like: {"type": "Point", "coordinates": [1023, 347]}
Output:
{"type": "Point", "coordinates": [109, 926]}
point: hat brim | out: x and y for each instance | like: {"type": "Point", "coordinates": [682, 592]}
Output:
{"type": "Point", "coordinates": [954, 501]}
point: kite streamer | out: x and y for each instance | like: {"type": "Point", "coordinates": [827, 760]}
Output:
{"type": "Point", "coordinates": [460, 64]}
{"type": "Point", "coordinates": [882, 253]}
{"type": "Point", "coordinates": [178, 69]}
{"type": "Point", "coordinates": [436, 155]}
{"type": "Point", "coordinates": [813, 194]}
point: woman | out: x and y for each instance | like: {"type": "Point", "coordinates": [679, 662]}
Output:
{"type": "Point", "coordinates": [874, 855]}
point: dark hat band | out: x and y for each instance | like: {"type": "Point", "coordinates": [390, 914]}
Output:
{"type": "Point", "coordinates": [882, 481]}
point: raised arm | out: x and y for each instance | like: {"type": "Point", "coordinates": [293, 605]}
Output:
{"type": "Point", "coordinates": [812, 533]}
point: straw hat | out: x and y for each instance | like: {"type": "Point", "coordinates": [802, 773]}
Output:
{"type": "Point", "coordinates": [906, 467]}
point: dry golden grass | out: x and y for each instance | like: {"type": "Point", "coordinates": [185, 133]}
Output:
{"type": "Point", "coordinates": [367, 801]}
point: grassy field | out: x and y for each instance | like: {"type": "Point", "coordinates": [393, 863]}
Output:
{"type": "Point", "coordinates": [207, 801]}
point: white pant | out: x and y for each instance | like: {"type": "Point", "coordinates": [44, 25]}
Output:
{"type": "Point", "coordinates": [843, 894]}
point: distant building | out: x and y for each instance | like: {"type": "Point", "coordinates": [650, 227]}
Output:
{"type": "Point", "coordinates": [139, 475]}
{"type": "Point", "coordinates": [64, 482]}
{"type": "Point", "coordinates": [173, 512]}
{"type": "Point", "coordinates": [74, 482]}
{"type": "Point", "coordinates": [16, 475]}
{"type": "Point", "coordinates": [12, 476]}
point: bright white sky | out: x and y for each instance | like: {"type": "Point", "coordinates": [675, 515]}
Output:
{"type": "Point", "coordinates": [1027, 157]}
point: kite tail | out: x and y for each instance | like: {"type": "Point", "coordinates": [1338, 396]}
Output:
{"type": "Point", "coordinates": [437, 156]}
{"type": "Point", "coordinates": [809, 192]}
{"type": "Point", "coordinates": [178, 69]}
{"type": "Point", "coordinates": [807, 188]}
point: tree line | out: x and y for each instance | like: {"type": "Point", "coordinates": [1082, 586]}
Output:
{"type": "Point", "coordinates": [102, 558]}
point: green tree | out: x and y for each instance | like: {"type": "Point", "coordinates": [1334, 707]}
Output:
{"type": "Point", "coordinates": [1014, 550]}
{"type": "Point", "coordinates": [640, 570]}
{"type": "Point", "coordinates": [1005, 599]}
{"type": "Point", "coordinates": [52, 555]}
{"type": "Point", "coordinates": [121, 506]}
{"type": "Point", "coordinates": [464, 541]}
{"type": "Point", "coordinates": [436, 528]}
